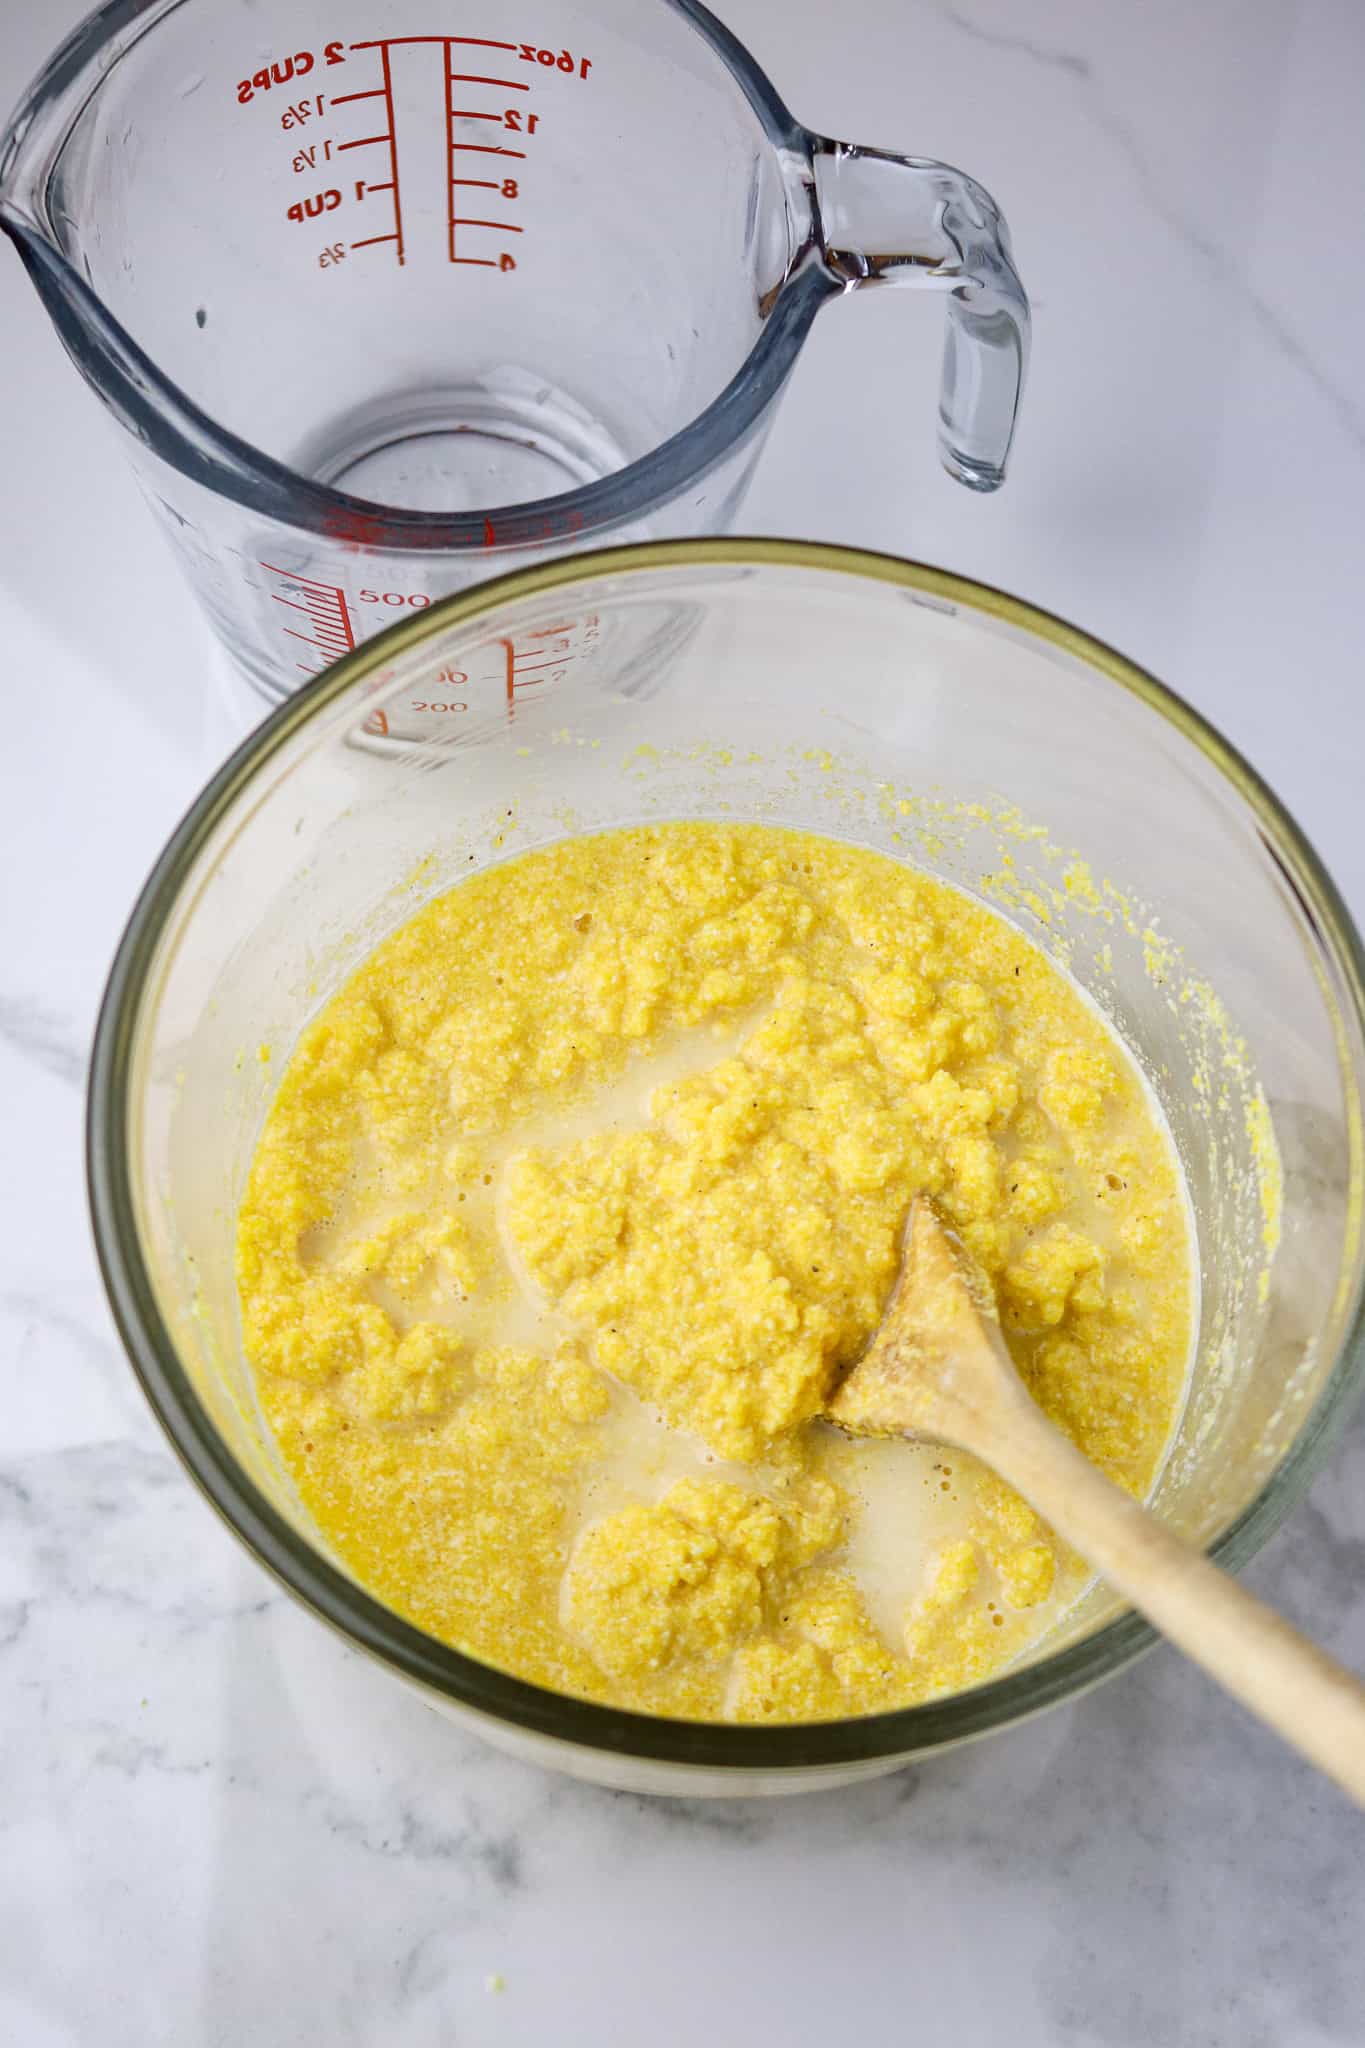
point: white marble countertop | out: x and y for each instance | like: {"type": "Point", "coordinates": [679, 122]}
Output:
{"type": "Point", "coordinates": [220, 1827]}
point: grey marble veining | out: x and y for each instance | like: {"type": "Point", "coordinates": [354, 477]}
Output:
{"type": "Point", "coordinates": [43, 1040]}
{"type": "Point", "coordinates": [1221, 257]}
{"type": "Point", "coordinates": [1144, 1866]}
{"type": "Point", "coordinates": [222, 1827]}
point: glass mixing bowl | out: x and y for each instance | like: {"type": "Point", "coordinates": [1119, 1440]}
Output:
{"type": "Point", "coordinates": [868, 698]}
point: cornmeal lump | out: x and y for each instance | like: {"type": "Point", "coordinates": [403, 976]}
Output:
{"type": "Point", "coordinates": [577, 1200]}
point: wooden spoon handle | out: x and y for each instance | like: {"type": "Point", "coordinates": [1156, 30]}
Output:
{"type": "Point", "coordinates": [1308, 1698]}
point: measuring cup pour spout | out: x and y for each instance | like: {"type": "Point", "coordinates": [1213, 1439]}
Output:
{"type": "Point", "coordinates": [49, 168]}
{"type": "Point", "coordinates": [889, 219]}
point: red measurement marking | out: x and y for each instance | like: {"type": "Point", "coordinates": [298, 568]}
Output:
{"type": "Point", "coordinates": [368, 241]}
{"type": "Point", "coordinates": [326, 630]}
{"type": "Point", "coordinates": [386, 42]}
{"type": "Point", "coordinates": [341, 99]}
{"type": "Point", "coordinates": [518, 670]}
{"type": "Point", "coordinates": [462, 220]}
{"type": "Point", "coordinates": [453, 114]}
{"type": "Point", "coordinates": [450, 146]}
{"type": "Point", "coordinates": [393, 157]}
{"type": "Point", "coordinates": [363, 142]}
{"type": "Point", "coordinates": [325, 608]}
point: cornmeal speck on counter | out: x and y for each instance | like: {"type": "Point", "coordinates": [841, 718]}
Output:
{"type": "Point", "coordinates": [576, 1201]}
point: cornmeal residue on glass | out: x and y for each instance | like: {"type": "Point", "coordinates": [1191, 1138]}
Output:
{"type": "Point", "coordinates": [575, 1202]}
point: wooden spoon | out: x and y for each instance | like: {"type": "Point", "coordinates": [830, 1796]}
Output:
{"type": "Point", "coordinates": [937, 1367]}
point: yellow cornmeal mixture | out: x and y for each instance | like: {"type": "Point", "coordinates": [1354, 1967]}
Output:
{"type": "Point", "coordinates": [473, 1285]}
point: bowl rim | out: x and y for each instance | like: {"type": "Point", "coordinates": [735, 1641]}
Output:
{"type": "Point", "coordinates": [453, 1675]}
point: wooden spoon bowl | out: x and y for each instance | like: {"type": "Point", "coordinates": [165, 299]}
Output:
{"type": "Point", "coordinates": [938, 1367]}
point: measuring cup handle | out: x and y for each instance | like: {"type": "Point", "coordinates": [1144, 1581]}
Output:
{"type": "Point", "coordinates": [887, 219]}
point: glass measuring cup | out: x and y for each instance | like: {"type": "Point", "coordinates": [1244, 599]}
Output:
{"type": "Point", "coordinates": [391, 299]}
